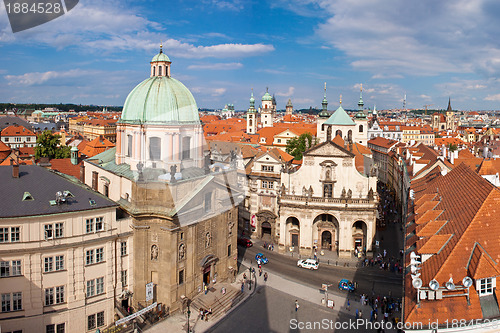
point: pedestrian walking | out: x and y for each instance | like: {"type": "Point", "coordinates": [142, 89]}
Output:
{"type": "Point", "coordinates": [348, 306]}
{"type": "Point", "coordinates": [265, 277]}
{"type": "Point", "coordinates": [242, 286]}
{"type": "Point", "coordinates": [296, 305]}
{"type": "Point", "coordinates": [260, 271]}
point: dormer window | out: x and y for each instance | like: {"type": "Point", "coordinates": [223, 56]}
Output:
{"type": "Point", "coordinates": [485, 286]}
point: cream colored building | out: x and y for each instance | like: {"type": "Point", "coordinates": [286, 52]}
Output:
{"type": "Point", "coordinates": [65, 258]}
{"type": "Point", "coordinates": [327, 204]}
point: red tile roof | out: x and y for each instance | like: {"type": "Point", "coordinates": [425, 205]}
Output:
{"type": "Point", "coordinates": [16, 130]}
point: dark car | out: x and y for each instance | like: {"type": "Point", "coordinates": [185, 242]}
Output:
{"type": "Point", "coordinates": [245, 242]}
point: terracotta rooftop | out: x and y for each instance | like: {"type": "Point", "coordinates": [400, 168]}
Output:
{"type": "Point", "coordinates": [15, 130]}
{"type": "Point", "coordinates": [471, 206]}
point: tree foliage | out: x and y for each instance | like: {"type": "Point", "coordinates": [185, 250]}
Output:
{"type": "Point", "coordinates": [452, 147]}
{"type": "Point", "coordinates": [48, 145]}
{"type": "Point", "coordinates": [298, 145]}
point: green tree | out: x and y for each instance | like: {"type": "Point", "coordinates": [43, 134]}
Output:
{"type": "Point", "coordinates": [298, 145]}
{"type": "Point", "coordinates": [48, 145]}
{"type": "Point", "coordinates": [452, 147]}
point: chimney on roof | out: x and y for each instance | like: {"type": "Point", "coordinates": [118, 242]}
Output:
{"type": "Point", "coordinates": [82, 173]}
{"type": "Point", "coordinates": [15, 169]}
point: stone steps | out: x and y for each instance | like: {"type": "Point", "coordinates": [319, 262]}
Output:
{"type": "Point", "coordinates": [220, 304]}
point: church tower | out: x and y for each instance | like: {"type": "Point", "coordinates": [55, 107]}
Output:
{"type": "Point", "coordinates": [360, 134]}
{"type": "Point", "coordinates": [268, 110]}
{"type": "Point", "coordinates": [252, 117]}
{"type": "Point", "coordinates": [289, 107]}
{"type": "Point", "coordinates": [450, 117]}
{"type": "Point", "coordinates": [322, 117]}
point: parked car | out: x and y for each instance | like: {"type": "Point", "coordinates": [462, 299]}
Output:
{"type": "Point", "coordinates": [308, 263]}
{"type": "Point", "coordinates": [345, 284]}
{"type": "Point", "coordinates": [245, 242]}
{"type": "Point", "coordinates": [261, 259]}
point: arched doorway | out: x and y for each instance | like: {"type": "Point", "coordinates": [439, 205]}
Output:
{"type": "Point", "coordinates": [293, 230]}
{"type": "Point", "coordinates": [326, 240]}
{"type": "Point", "coordinates": [326, 232]}
{"type": "Point", "coordinates": [266, 231]}
{"type": "Point", "coordinates": [359, 232]}
{"type": "Point", "coordinates": [266, 225]}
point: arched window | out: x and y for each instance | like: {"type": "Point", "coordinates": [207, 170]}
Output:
{"type": "Point", "coordinates": [154, 70]}
{"type": "Point", "coordinates": [360, 128]}
{"type": "Point", "coordinates": [338, 132]}
{"type": "Point", "coordinates": [250, 122]}
{"type": "Point", "coordinates": [349, 135]}
{"type": "Point", "coordinates": [186, 148]}
{"type": "Point", "coordinates": [159, 70]}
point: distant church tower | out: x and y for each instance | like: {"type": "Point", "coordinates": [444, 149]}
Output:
{"type": "Point", "coordinates": [450, 117]}
{"type": "Point", "coordinates": [360, 134]}
{"type": "Point", "coordinates": [252, 117]}
{"type": "Point", "coordinates": [322, 117]}
{"type": "Point", "coordinates": [267, 110]}
{"type": "Point", "coordinates": [289, 107]}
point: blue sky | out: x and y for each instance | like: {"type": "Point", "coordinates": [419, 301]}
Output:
{"type": "Point", "coordinates": [99, 51]}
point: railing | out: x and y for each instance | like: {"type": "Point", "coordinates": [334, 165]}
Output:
{"type": "Point", "coordinates": [327, 200]}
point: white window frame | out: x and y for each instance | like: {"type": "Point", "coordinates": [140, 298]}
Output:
{"type": "Point", "coordinates": [89, 257]}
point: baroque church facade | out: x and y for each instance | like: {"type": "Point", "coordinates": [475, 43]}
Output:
{"type": "Point", "coordinates": [326, 203]}
{"type": "Point", "coordinates": [182, 211]}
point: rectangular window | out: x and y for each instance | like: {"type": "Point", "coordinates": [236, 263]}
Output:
{"type": "Point", "coordinates": [5, 302]}
{"type": "Point", "coordinates": [90, 288]}
{"type": "Point", "coordinates": [99, 255]}
{"type": "Point", "coordinates": [155, 148]}
{"type": "Point", "coordinates": [268, 168]}
{"type": "Point", "coordinates": [486, 286]}
{"type": "Point", "coordinates": [129, 145]}
{"type": "Point", "coordinates": [4, 235]}
{"type": "Point", "coordinates": [271, 185]}
{"type": "Point", "coordinates": [48, 231]}
{"type": "Point", "coordinates": [89, 257]}
{"type": "Point", "coordinates": [124, 278]}
{"type": "Point", "coordinates": [99, 224]}
{"type": "Point", "coordinates": [59, 294]}
{"type": "Point", "coordinates": [100, 319]}
{"type": "Point", "coordinates": [48, 264]}
{"type": "Point", "coordinates": [59, 230]}
{"type": "Point", "coordinates": [186, 148]}
{"type": "Point", "coordinates": [59, 263]}
{"type": "Point", "coordinates": [61, 328]}
{"type": "Point", "coordinates": [229, 250]}
{"type": "Point", "coordinates": [123, 248]}
{"type": "Point", "coordinates": [265, 184]}
{"type": "Point", "coordinates": [99, 286]}
{"type": "Point", "coordinates": [49, 296]}
{"type": "Point", "coordinates": [16, 267]}
{"type": "Point", "coordinates": [50, 328]}
{"type": "Point", "coordinates": [4, 268]}
{"type": "Point", "coordinates": [15, 234]}
{"type": "Point", "coordinates": [17, 301]}
{"type": "Point", "coordinates": [181, 276]}
{"type": "Point", "coordinates": [89, 225]}
{"type": "Point", "coordinates": [91, 322]}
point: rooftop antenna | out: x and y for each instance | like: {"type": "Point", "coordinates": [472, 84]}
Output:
{"type": "Point", "coordinates": [404, 101]}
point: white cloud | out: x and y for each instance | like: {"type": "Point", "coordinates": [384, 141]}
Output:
{"type": "Point", "coordinates": [35, 78]}
{"type": "Point", "coordinates": [494, 98]}
{"type": "Point", "coordinates": [96, 26]}
{"type": "Point", "coordinates": [286, 94]}
{"type": "Point", "coordinates": [357, 86]}
{"type": "Point", "coordinates": [217, 66]}
{"type": "Point", "coordinates": [425, 37]}
{"type": "Point", "coordinates": [218, 91]}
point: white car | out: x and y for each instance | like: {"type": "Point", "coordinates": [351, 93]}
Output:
{"type": "Point", "coordinates": [308, 263]}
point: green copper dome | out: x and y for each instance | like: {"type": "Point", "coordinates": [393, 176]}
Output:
{"type": "Point", "coordinates": [267, 97]}
{"type": "Point", "coordinates": [339, 117]}
{"type": "Point", "coordinates": [160, 100]}
{"type": "Point", "coordinates": [160, 57]}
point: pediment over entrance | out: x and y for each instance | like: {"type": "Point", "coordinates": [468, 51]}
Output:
{"type": "Point", "coordinates": [266, 216]}
{"type": "Point", "coordinates": [328, 148]}
{"type": "Point", "coordinates": [209, 259]}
